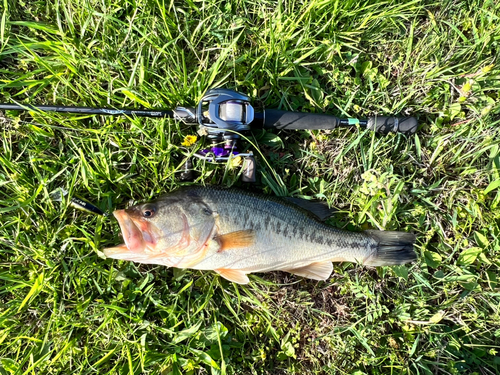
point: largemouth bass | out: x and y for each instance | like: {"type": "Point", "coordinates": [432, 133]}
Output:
{"type": "Point", "coordinates": [235, 233]}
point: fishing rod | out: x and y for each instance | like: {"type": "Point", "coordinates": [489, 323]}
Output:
{"type": "Point", "coordinates": [222, 113]}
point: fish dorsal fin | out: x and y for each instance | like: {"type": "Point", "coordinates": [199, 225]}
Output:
{"type": "Point", "coordinates": [315, 271]}
{"type": "Point", "coordinates": [236, 240]}
{"type": "Point", "coordinates": [318, 209]}
{"type": "Point", "coordinates": [236, 276]}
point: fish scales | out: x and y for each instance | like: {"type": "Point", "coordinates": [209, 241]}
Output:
{"type": "Point", "coordinates": [235, 233]}
{"type": "Point", "coordinates": [306, 239]}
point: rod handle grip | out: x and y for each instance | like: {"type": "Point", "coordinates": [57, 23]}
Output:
{"type": "Point", "coordinates": [277, 119]}
{"type": "Point", "coordinates": [391, 124]}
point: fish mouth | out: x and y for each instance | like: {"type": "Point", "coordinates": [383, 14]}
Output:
{"type": "Point", "coordinates": [132, 235]}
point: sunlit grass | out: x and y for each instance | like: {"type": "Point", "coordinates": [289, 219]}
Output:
{"type": "Point", "coordinates": [64, 308]}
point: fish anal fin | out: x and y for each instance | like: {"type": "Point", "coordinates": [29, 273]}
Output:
{"type": "Point", "coordinates": [236, 240]}
{"type": "Point", "coordinates": [236, 276]}
{"type": "Point", "coordinates": [315, 271]}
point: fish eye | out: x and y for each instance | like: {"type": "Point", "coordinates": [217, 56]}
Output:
{"type": "Point", "coordinates": [148, 211]}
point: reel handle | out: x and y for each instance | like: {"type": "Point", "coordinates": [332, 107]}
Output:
{"type": "Point", "coordinates": [249, 168]}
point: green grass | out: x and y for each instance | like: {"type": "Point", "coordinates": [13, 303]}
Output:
{"type": "Point", "coordinates": [64, 308]}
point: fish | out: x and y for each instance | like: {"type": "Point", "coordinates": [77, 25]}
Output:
{"type": "Point", "coordinates": [235, 233]}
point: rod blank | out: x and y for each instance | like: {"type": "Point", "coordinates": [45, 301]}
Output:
{"type": "Point", "coordinates": [87, 110]}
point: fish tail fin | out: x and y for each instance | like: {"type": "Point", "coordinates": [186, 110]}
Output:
{"type": "Point", "coordinates": [393, 248]}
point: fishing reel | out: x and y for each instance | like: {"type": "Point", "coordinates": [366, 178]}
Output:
{"type": "Point", "coordinates": [222, 115]}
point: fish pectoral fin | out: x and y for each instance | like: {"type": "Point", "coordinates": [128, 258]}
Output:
{"type": "Point", "coordinates": [236, 276]}
{"type": "Point", "coordinates": [315, 271]}
{"type": "Point", "coordinates": [236, 240]}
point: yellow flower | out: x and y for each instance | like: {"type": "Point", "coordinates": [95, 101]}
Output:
{"type": "Point", "coordinates": [189, 140]}
{"type": "Point", "coordinates": [236, 161]}
{"type": "Point", "coordinates": [487, 68]}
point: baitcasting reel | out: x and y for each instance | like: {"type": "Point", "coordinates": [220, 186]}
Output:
{"type": "Point", "coordinates": [222, 113]}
